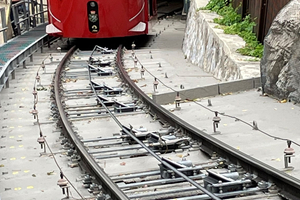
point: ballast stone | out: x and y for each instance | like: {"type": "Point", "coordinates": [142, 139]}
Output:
{"type": "Point", "coordinates": [280, 65]}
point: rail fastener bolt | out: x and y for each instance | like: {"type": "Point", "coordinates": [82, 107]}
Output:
{"type": "Point", "coordinates": [177, 101]}
{"type": "Point", "coordinates": [216, 121]}
{"type": "Point", "coordinates": [41, 141]}
{"type": "Point", "coordinates": [133, 46]}
{"type": "Point", "coordinates": [135, 60]}
{"type": "Point", "coordinates": [288, 153]}
{"type": "Point", "coordinates": [38, 78]}
{"type": "Point", "coordinates": [34, 112]}
{"type": "Point", "coordinates": [59, 49]}
{"type": "Point", "coordinates": [209, 102]}
{"type": "Point", "coordinates": [132, 49]}
{"type": "Point", "coordinates": [142, 72]}
{"type": "Point", "coordinates": [51, 57]}
{"type": "Point", "coordinates": [34, 92]}
{"type": "Point", "coordinates": [43, 67]}
{"type": "Point", "coordinates": [155, 83]}
{"type": "Point", "coordinates": [62, 183]}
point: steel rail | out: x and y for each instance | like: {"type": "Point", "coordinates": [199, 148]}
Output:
{"type": "Point", "coordinates": [208, 193]}
{"type": "Point", "coordinates": [86, 159]}
{"type": "Point", "coordinates": [288, 185]}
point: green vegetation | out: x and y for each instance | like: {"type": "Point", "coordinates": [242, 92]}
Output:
{"type": "Point", "coordinates": [232, 23]}
{"type": "Point", "coordinates": [215, 5]}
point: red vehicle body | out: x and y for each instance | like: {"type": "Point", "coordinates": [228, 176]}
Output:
{"type": "Point", "coordinates": [100, 18]}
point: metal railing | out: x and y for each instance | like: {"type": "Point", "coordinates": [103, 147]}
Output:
{"type": "Point", "coordinates": [3, 1]}
{"type": "Point", "coordinates": [27, 14]}
{"type": "Point", "coordinates": [10, 66]}
{"type": "Point", "coordinates": [3, 24]}
{"type": "Point", "coordinates": [23, 15]}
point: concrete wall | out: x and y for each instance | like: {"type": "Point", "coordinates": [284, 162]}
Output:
{"type": "Point", "coordinates": [209, 91]}
{"type": "Point", "coordinates": [211, 49]}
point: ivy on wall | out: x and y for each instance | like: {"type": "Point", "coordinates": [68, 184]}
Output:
{"type": "Point", "coordinates": [233, 23]}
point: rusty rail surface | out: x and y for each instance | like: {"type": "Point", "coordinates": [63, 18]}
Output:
{"type": "Point", "coordinates": [87, 160]}
{"type": "Point", "coordinates": [288, 185]}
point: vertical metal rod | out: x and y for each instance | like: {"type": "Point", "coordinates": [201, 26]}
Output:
{"type": "Point", "coordinates": [285, 162]}
{"type": "Point", "coordinates": [13, 74]}
{"type": "Point", "coordinates": [48, 41]}
{"type": "Point", "coordinates": [7, 83]}
{"type": "Point", "coordinates": [3, 20]}
{"type": "Point", "coordinates": [16, 26]}
{"type": "Point", "coordinates": [41, 11]}
{"type": "Point", "coordinates": [68, 192]}
{"type": "Point", "coordinates": [26, 16]}
{"type": "Point", "coordinates": [214, 127]}
{"type": "Point", "coordinates": [42, 50]}
{"type": "Point", "coordinates": [33, 14]}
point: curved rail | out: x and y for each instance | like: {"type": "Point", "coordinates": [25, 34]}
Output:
{"type": "Point", "coordinates": [86, 159]}
{"type": "Point", "coordinates": [289, 186]}
{"type": "Point", "coordinates": [210, 194]}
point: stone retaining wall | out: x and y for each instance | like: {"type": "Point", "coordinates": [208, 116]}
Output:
{"type": "Point", "coordinates": [211, 49]}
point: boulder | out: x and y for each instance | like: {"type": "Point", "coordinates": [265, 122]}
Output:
{"type": "Point", "coordinates": [280, 65]}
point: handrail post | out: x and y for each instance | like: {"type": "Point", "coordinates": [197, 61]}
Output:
{"type": "Point", "coordinates": [15, 22]}
{"type": "Point", "coordinates": [4, 25]}
{"type": "Point", "coordinates": [26, 15]}
{"type": "Point", "coordinates": [42, 17]}
{"type": "Point", "coordinates": [33, 14]}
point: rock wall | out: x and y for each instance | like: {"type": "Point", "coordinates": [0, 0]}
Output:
{"type": "Point", "coordinates": [280, 64]}
{"type": "Point", "coordinates": [211, 49]}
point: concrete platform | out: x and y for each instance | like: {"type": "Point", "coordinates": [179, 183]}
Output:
{"type": "Point", "coordinates": [275, 118]}
{"type": "Point", "coordinates": [25, 172]}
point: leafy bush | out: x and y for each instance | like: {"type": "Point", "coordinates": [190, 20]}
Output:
{"type": "Point", "coordinates": [215, 5]}
{"type": "Point", "coordinates": [229, 18]}
{"type": "Point", "coordinates": [232, 23]}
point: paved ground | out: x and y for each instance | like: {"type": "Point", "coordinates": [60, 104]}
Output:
{"type": "Point", "coordinates": [277, 119]}
{"type": "Point", "coordinates": [165, 60]}
{"type": "Point", "coordinates": [25, 173]}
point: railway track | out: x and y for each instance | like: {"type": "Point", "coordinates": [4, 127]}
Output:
{"type": "Point", "coordinates": [131, 148]}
